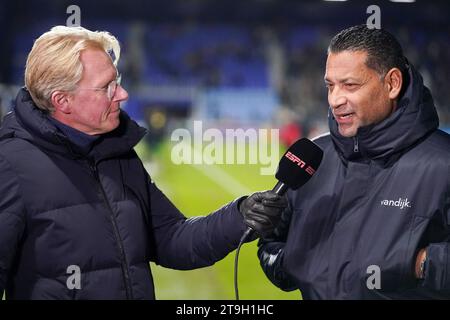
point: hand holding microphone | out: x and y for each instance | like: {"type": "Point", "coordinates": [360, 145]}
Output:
{"type": "Point", "coordinates": [262, 210]}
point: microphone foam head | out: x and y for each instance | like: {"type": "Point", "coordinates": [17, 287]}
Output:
{"type": "Point", "coordinates": [299, 163]}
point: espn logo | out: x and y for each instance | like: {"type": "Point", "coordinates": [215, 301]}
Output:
{"type": "Point", "coordinates": [300, 162]}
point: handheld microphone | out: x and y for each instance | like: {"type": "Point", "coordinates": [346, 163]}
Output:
{"type": "Point", "coordinates": [298, 164]}
{"type": "Point", "coordinates": [296, 167]}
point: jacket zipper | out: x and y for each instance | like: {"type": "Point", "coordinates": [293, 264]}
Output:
{"type": "Point", "coordinates": [123, 261]}
{"type": "Point", "coordinates": [355, 144]}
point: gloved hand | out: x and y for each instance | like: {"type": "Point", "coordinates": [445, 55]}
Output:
{"type": "Point", "coordinates": [262, 211]}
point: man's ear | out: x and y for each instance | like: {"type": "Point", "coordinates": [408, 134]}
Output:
{"type": "Point", "coordinates": [60, 101]}
{"type": "Point", "coordinates": [394, 82]}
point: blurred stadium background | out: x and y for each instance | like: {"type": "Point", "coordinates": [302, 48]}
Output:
{"type": "Point", "coordinates": [232, 64]}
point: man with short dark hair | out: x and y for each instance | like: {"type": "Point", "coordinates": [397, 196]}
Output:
{"type": "Point", "coordinates": [374, 221]}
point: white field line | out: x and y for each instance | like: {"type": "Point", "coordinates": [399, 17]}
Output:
{"type": "Point", "coordinates": [213, 172]}
{"type": "Point", "coordinates": [221, 178]}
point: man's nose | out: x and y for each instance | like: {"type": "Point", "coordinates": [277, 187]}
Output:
{"type": "Point", "coordinates": [336, 98]}
{"type": "Point", "coordinates": [121, 94]}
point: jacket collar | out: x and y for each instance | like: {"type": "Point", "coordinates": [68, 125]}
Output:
{"type": "Point", "coordinates": [32, 124]}
{"type": "Point", "coordinates": [414, 119]}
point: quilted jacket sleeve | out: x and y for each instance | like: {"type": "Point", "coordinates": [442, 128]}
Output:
{"type": "Point", "coordinates": [188, 243]}
{"type": "Point", "coordinates": [12, 221]}
{"type": "Point", "coordinates": [437, 270]}
{"type": "Point", "coordinates": [271, 254]}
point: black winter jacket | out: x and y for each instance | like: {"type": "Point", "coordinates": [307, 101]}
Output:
{"type": "Point", "coordinates": [354, 230]}
{"type": "Point", "coordinates": [98, 213]}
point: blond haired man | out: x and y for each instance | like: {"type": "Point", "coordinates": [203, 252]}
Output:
{"type": "Point", "coordinates": [79, 215]}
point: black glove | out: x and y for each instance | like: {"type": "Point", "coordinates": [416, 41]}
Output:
{"type": "Point", "coordinates": [262, 211]}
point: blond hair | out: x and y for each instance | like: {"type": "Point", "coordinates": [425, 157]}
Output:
{"type": "Point", "coordinates": [54, 61]}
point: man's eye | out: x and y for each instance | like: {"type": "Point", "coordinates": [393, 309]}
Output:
{"type": "Point", "coordinates": [107, 85]}
{"type": "Point", "coordinates": [350, 85]}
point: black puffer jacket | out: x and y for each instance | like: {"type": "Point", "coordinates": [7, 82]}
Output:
{"type": "Point", "coordinates": [354, 230]}
{"type": "Point", "coordinates": [98, 212]}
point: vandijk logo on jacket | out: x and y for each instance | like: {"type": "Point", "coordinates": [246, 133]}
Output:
{"type": "Point", "coordinates": [400, 203]}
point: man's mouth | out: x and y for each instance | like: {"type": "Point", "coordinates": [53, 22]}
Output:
{"type": "Point", "coordinates": [344, 117]}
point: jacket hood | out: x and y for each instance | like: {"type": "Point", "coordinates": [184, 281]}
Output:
{"type": "Point", "coordinates": [30, 123]}
{"type": "Point", "coordinates": [414, 118]}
